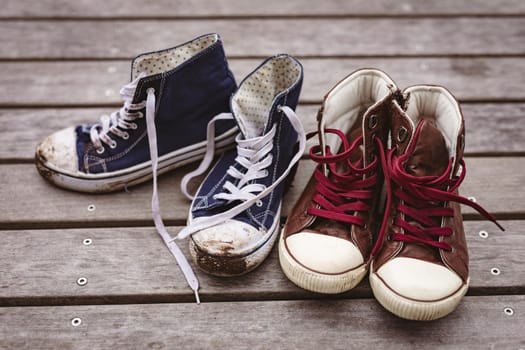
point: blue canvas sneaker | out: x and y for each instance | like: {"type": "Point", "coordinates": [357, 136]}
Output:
{"type": "Point", "coordinates": [191, 83]}
{"type": "Point", "coordinates": [234, 218]}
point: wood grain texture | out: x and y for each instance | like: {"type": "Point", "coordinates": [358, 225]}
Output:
{"type": "Point", "coordinates": [496, 183]}
{"type": "Point", "coordinates": [22, 129]}
{"type": "Point", "coordinates": [87, 83]}
{"type": "Point", "coordinates": [308, 324]}
{"type": "Point", "coordinates": [131, 265]}
{"type": "Point", "coordinates": [270, 8]}
{"type": "Point", "coordinates": [258, 37]}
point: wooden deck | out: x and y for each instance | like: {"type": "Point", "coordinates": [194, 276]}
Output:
{"type": "Point", "coordinates": [62, 62]}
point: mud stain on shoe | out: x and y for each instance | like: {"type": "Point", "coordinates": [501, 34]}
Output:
{"type": "Point", "coordinates": [221, 265]}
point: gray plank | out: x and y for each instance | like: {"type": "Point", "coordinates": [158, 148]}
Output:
{"type": "Point", "coordinates": [479, 322]}
{"type": "Point", "coordinates": [302, 37]}
{"type": "Point", "coordinates": [39, 204]}
{"type": "Point", "coordinates": [87, 83]}
{"type": "Point", "coordinates": [22, 129]}
{"type": "Point", "coordinates": [131, 265]}
{"type": "Point", "coordinates": [239, 8]}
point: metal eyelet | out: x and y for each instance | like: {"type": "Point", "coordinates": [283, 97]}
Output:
{"type": "Point", "coordinates": [483, 234]}
{"type": "Point", "coordinates": [113, 145]}
{"type": "Point", "coordinates": [87, 241]}
{"type": "Point", "coordinates": [125, 136]}
{"type": "Point", "coordinates": [402, 134]}
{"type": "Point", "coordinates": [508, 311]}
{"type": "Point", "coordinates": [265, 173]}
{"type": "Point", "coordinates": [77, 321]}
{"type": "Point", "coordinates": [101, 150]}
{"type": "Point", "coordinates": [141, 115]}
{"type": "Point", "coordinates": [495, 271]}
{"type": "Point", "coordinates": [372, 121]}
{"type": "Point", "coordinates": [82, 281]}
{"type": "Point", "coordinates": [134, 126]}
{"type": "Point", "coordinates": [259, 203]}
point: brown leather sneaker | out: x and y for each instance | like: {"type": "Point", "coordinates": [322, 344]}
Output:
{"type": "Point", "coordinates": [325, 245]}
{"type": "Point", "coordinates": [420, 265]}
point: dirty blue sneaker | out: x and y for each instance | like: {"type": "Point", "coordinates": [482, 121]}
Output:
{"type": "Point", "coordinates": [191, 83]}
{"type": "Point", "coordinates": [234, 218]}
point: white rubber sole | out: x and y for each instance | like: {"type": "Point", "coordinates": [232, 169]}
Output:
{"type": "Point", "coordinates": [231, 265]}
{"type": "Point", "coordinates": [315, 281]}
{"type": "Point", "coordinates": [414, 309]}
{"type": "Point", "coordinates": [118, 180]}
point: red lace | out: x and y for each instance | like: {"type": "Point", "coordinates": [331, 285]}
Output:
{"type": "Point", "coordinates": [342, 194]}
{"type": "Point", "coordinates": [421, 199]}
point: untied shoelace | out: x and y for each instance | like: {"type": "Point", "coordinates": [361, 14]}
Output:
{"type": "Point", "coordinates": [424, 197]}
{"type": "Point", "coordinates": [123, 119]}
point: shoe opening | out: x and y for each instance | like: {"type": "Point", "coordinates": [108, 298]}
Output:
{"type": "Point", "coordinates": [436, 104]}
{"type": "Point", "coordinates": [349, 99]}
{"type": "Point", "coordinates": [256, 94]}
{"type": "Point", "coordinates": [165, 60]}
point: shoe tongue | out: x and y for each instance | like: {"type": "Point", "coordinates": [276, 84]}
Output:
{"type": "Point", "coordinates": [430, 156]}
{"type": "Point", "coordinates": [250, 125]}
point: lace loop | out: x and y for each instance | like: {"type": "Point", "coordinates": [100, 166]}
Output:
{"type": "Point", "coordinates": [340, 195]}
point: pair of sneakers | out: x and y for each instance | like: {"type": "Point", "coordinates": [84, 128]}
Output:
{"type": "Point", "coordinates": [181, 105]}
{"type": "Point", "coordinates": [383, 198]}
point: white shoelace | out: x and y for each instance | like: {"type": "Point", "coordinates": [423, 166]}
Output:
{"type": "Point", "coordinates": [121, 119]}
{"type": "Point", "coordinates": [183, 263]}
{"type": "Point", "coordinates": [254, 156]}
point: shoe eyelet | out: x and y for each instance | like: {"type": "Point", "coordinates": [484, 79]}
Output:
{"type": "Point", "coordinates": [113, 145]}
{"type": "Point", "coordinates": [265, 173]}
{"type": "Point", "coordinates": [101, 150]}
{"type": "Point", "coordinates": [141, 115]}
{"type": "Point", "coordinates": [402, 134]}
{"type": "Point", "coordinates": [259, 203]}
{"type": "Point", "coordinates": [125, 136]}
{"type": "Point", "coordinates": [372, 121]}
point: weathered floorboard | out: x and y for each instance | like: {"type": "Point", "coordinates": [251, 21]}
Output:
{"type": "Point", "coordinates": [302, 37]}
{"type": "Point", "coordinates": [240, 8]}
{"type": "Point", "coordinates": [22, 129]}
{"type": "Point", "coordinates": [39, 203]}
{"type": "Point", "coordinates": [131, 265]}
{"type": "Point", "coordinates": [87, 83]}
{"type": "Point", "coordinates": [479, 322]}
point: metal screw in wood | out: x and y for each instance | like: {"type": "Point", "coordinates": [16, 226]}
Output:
{"type": "Point", "coordinates": [82, 281]}
{"type": "Point", "coordinates": [77, 321]}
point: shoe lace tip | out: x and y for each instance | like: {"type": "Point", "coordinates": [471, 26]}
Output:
{"type": "Point", "coordinates": [197, 298]}
{"type": "Point", "coordinates": [499, 226]}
